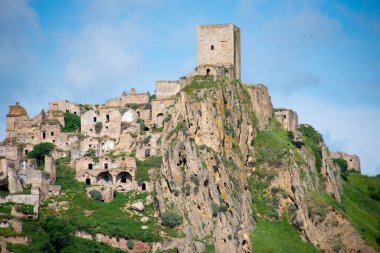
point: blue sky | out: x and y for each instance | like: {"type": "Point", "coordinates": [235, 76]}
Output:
{"type": "Point", "coordinates": [320, 58]}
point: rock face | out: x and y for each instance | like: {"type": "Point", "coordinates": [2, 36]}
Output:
{"type": "Point", "coordinates": [205, 148]}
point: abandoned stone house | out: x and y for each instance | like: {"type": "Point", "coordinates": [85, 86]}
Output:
{"type": "Point", "coordinates": [353, 161]}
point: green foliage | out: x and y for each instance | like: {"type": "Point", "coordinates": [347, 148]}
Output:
{"type": "Point", "coordinates": [361, 209]}
{"type": "Point", "coordinates": [96, 195]}
{"type": "Point", "coordinates": [272, 146]}
{"type": "Point", "coordinates": [72, 123]}
{"type": "Point", "coordinates": [201, 82]}
{"type": "Point", "coordinates": [181, 126]}
{"type": "Point", "coordinates": [171, 219]}
{"type": "Point", "coordinates": [187, 189]}
{"type": "Point", "coordinates": [105, 218]}
{"type": "Point", "coordinates": [146, 140]}
{"type": "Point", "coordinates": [279, 237]}
{"type": "Point", "coordinates": [313, 141]}
{"type": "Point", "coordinates": [40, 150]}
{"type": "Point", "coordinates": [229, 128]}
{"type": "Point", "coordinates": [25, 208]}
{"type": "Point", "coordinates": [144, 166]}
{"type": "Point", "coordinates": [130, 244]}
{"type": "Point", "coordinates": [343, 167]}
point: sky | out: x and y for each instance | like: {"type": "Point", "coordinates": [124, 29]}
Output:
{"type": "Point", "coordinates": [320, 58]}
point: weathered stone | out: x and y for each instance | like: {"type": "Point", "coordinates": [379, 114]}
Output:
{"type": "Point", "coordinates": [138, 206]}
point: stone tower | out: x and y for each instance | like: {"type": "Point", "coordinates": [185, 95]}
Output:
{"type": "Point", "coordinates": [219, 50]}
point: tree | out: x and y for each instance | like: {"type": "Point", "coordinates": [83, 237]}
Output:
{"type": "Point", "coordinates": [40, 150]}
{"type": "Point", "coordinates": [72, 123]}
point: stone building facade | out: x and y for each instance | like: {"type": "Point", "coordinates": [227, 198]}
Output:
{"type": "Point", "coordinates": [353, 161]}
{"type": "Point", "coordinates": [218, 45]}
{"type": "Point", "coordinates": [287, 118]}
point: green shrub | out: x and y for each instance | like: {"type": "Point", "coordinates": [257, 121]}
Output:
{"type": "Point", "coordinates": [187, 189]}
{"type": "Point", "coordinates": [143, 167]}
{"type": "Point", "coordinates": [146, 140]}
{"type": "Point", "coordinates": [222, 208]}
{"type": "Point", "coordinates": [194, 178]}
{"type": "Point", "coordinates": [40, 150]}
{"type": "Point", "coordinates": [96, 195]}
{"type": "Point", "coordinates": [272, 146]}
{"type": "Point", "coordinates": [275, 190]}
{"type": "Point", "coordinates": [214, 208]}
{"type": "Point", "coordinates": [171, 219]}
{"type": "Point", "coordinates": [25, 208]}
{"type": "Point", "coordinates": [343, 167]}
{"type": "Point", "coordinates": [130, 244]}
{"type": "Point", "coordinates": [72, 123]}
{"type": "Point", "coordinates": [200, 82]}
{"type": "Point", "coordinates": [313, 141]}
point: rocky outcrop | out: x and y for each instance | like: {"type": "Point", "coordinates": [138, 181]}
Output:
{"type": "Point", "coordinates": [205, 148]}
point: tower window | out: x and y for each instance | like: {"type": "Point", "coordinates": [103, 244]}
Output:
{"type": "Point", "coordinates": [212, 47]}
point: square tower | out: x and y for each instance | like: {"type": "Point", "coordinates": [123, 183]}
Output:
{"type": "Point", "coordinates": [219, 45]}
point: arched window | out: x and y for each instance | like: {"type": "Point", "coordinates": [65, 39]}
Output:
{"type": "Point", "coordinates": [208, 71]}
{"type": "Point", "coordinates": [212, 47]}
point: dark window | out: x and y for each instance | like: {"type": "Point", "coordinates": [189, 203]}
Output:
{"type": "Point", "coordinates": [143, 186]}
{"type": "Point", "coordinates": [52, 133]}
{"type": "Point", "coordinates": [138, 114]}
{"type": "Point", "coordinates": [107, 118]}
{"type": "Point", "coordinates": [212, 47]}
{"type": "Point", "coordinates": [43, 135]}
{"type": "Point", "coordinates": [75, 113]}
{"type": "Point", "coordinates": [207, 71]}
{"type": "Point", "coordinates": [123, 179]}
{"type": "Point", "coordinates": [26, 151]}
{"type": "Point", "coordinates": [90, 166]}
{"type": "Point", "coordinates": [106, 166]}
{"type": "Point", "coordinates": [67, 110]}
{"type": "Point", "coordinates": [94, 119]}
{"type": "Point", "coordinates": [88, 181]}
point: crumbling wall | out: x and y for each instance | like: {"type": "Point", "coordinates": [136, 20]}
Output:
{"type": "Point", "coordinates": [261, 103]}
{"type": "Point", "coordinates": [132, 98]}
{"type": "Point", "coordinates": [64, 106]}
{"type": "Point", "coordinates": [353, 161]}
{"type": "Point", "coordinates": [104, 122]}
{"type": "Point", "coordinates": [287, 118]}
{"type": "Point", "coordinates": [50, 168]}
{"type": "Point", "coordinates": [167, 89]}
{"type": "Point", "coordinates": [159, 110]}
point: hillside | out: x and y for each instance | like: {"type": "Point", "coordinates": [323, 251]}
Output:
{"type": "Point", "coordinates": [204, 165]}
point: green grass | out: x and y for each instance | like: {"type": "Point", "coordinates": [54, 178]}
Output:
{"type": "Point", "coordinates": [143, 167]}
{"type": "Point", "coordinates": [278, 237]}
{"type": "Point", "coordinates": [360, 208]}
{"type": "Point", "coordinates": [201, 82]}
{"type": "Point", "coordinates": [106, 218]}
{"type": "Point", "coordinates": [77, 245]}
{"type": "Point", "coordinates": [272, 145]}
{"type": "Point", "coordinates": [312, 140]}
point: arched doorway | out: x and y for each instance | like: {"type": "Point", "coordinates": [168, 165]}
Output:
{"type": "Point", "coordinates": [123, 178]}
{"type": "Point", "coordinates": [160, 119]}
{"type": "Point", "coordinates": [208, 71]}
{"type": "Point", "coordinates": [143, 187]}
{"type": "Point", "coordinates": [88, 181]}
{"type": "Point", "coordinates": [104, 178]}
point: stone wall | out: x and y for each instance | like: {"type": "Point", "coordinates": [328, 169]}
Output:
{"type": "Point", "coordinates": [116, 242]}
{"type": "Point", "coordinates": [287, 118]}
{"type": "Point", "coordinates": [167, 89]}
{"type": "Point", "coordinates": [100, 123]}
{"type": "Point", "coordinates": [64, 106]}
{"type": "Point", "coordinates": [219, 45]}
{"type": "Point", "coordinates": [50, 168]}
{"type": "Point", "coordinates": [261, 103]}
{"type": "Point", "coordinates": [159, 110]}
{"type": "Point", "coordinates": [30, 199]}
{"type": "Point", "coordinates": [353, 161]}
{"type": "Point", "coordinates": [132, 98]}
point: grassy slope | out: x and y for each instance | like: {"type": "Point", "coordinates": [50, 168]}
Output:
{"type": "Point", "coordinates": [278, 237]}
{"type": "Point", "coordinates": [106, 218]}
{"type": "Point", "coordinates": [361, 210]}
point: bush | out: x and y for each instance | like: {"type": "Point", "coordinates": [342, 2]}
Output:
{"type": "Point", "coordinates": [96, 195]}
{"type": "Point", "coordinates": [171, 219]}
{"type": "Point", "coordinates": [343, 167]}
{"type": "Point", "coordinates": [275, 190]}
{"type": "Point", "coordinates": [130, 244]}
{"type": "Point", "coordinates": [222, 208]}
{"type": "Point", "coordinates": [72, 123]}
{"type": "Point", "coordinates": [187, 189]}
{"type": "Point", "coordinates": [313, 140]}
{"type": "Point", "coordinates": [273, 214]}
{"type": "Point", "coordinates": [40, 150]}
{"type": "Point", "coordinates": [194, 178]}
